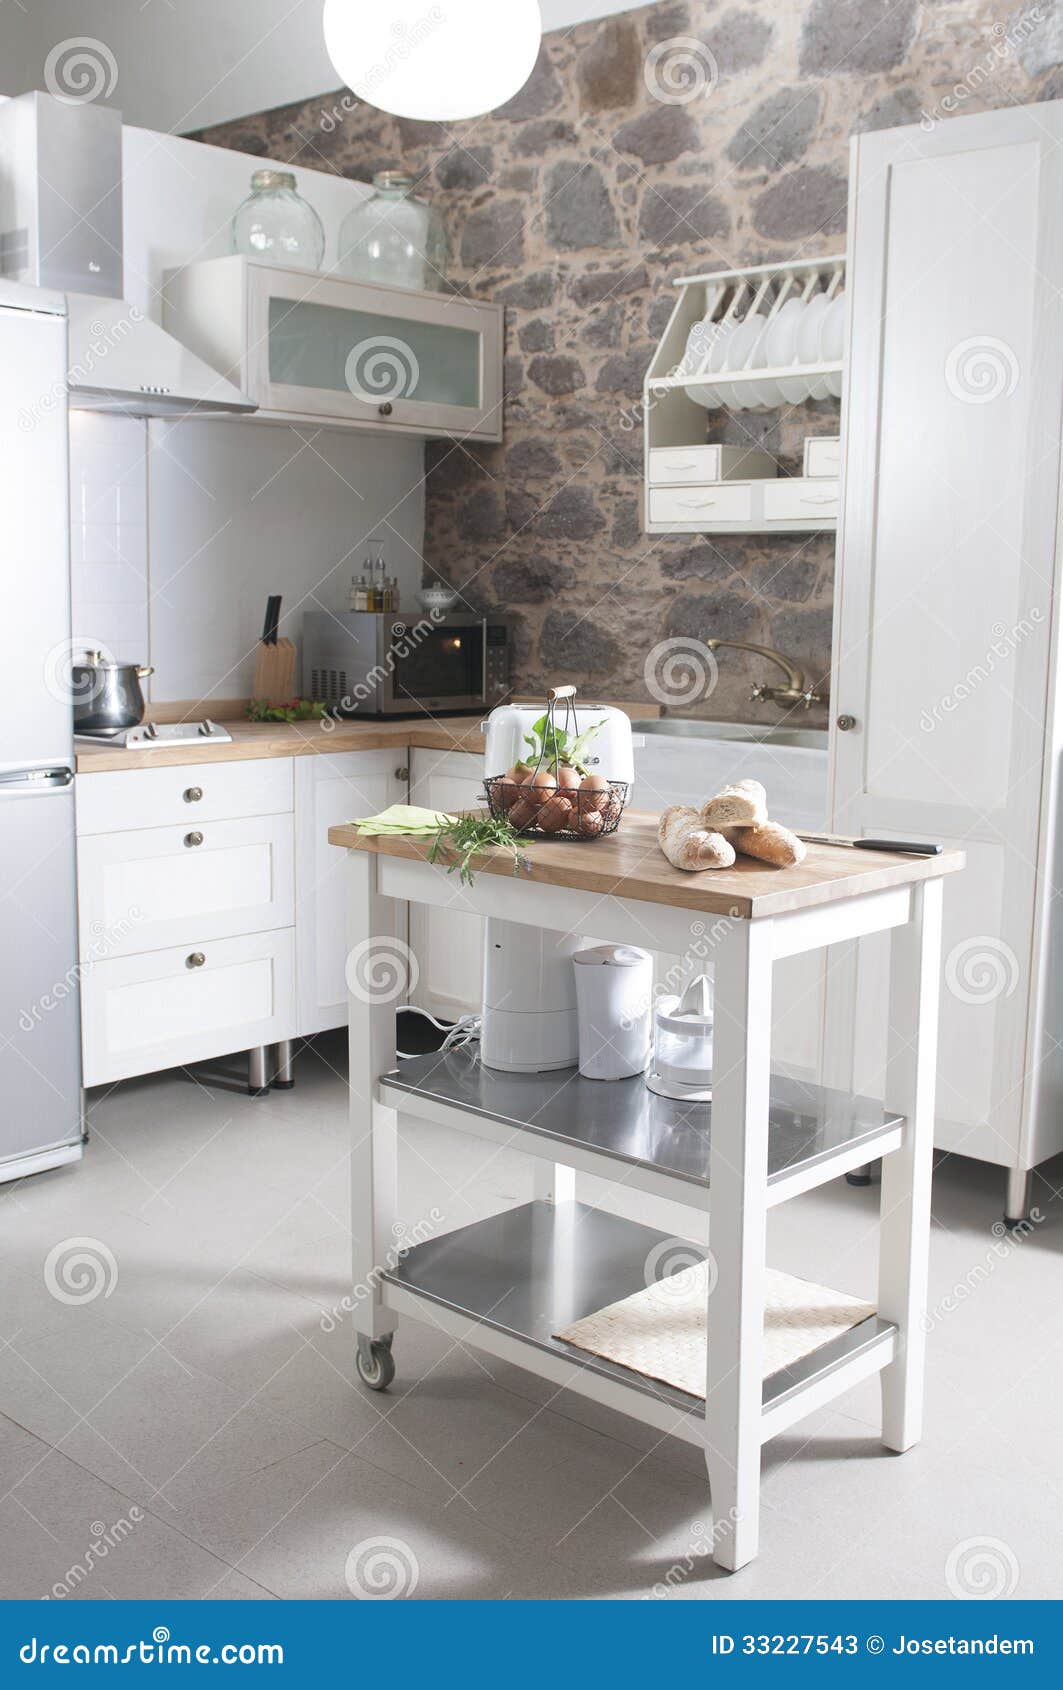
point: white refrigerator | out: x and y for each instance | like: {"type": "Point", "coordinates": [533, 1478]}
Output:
{"type": "Point", "coordinates": [41, 1114]}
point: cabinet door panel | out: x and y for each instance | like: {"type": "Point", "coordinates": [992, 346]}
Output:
{"type": "Point", "coordinates": [329, 790]}
{"type": "Point", "coordinates": [946, 567]}
{"type": "Point", "coordinates": [448, 944]}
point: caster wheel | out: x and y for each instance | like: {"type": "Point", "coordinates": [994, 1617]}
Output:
{"type": "Point", "coordinates": [374, 1362]}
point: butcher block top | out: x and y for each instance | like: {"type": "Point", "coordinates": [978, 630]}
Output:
{"type": "Point", "coordinates": [630, 864]}
{"type": "Point", "coordinates": [296, 739]}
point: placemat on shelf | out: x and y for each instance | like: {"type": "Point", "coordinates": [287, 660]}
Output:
{"type": "Point", "coordinates": [663, 1331]}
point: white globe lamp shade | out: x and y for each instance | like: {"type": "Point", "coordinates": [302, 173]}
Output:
{"type": "Point", "coordinates": [439, 63]}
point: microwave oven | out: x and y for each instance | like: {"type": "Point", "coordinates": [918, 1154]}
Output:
{"type": "Point", "coordinates": [360, 663]}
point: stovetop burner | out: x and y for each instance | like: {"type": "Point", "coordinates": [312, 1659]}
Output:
{"type": "Point", "coordinates": [158, 734]}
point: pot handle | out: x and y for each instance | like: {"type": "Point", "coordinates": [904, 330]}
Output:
{"type": "Point", "coordinates": [144, 670]}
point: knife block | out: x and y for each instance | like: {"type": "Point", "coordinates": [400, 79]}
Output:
{"type": "Point", "coordinates": [275, 672]}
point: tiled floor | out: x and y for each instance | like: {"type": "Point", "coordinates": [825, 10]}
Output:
{"type": "Point", "coordinates": [179, 1415]}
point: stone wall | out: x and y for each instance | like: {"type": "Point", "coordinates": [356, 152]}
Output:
{"type": "Point", "coordinates": [686, 135]}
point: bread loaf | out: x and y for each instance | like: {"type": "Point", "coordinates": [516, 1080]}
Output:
{"type": "Point", "coordinates": [688, 844]}
{"type": "Point", "coordinates": [743, 803]}
{"type": "Point", "coordinates": [769, 843]}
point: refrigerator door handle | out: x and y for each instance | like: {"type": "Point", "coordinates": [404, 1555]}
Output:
{"type": "Point", "coordinates": [26, 783]}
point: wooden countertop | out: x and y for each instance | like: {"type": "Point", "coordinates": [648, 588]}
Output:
{"type": "Point", "coordinates": [302, 739]}
{"type": "Point", "coordinates": [630, 864]}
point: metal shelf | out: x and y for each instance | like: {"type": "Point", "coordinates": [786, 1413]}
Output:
{"type": "Point", "coordinates": [663, 1146]}
{"type": "Point", "coordinates": [532, 1270]}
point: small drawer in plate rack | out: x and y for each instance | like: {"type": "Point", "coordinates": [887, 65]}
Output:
{"type": "Point", "coordinates": [682, 466]}
{"type": "Point", "coordinates": [795, 498]}
{"type": "Point", "coordinates": [692, 507]}
{"type": "Point", "coordinates": [823, 455]}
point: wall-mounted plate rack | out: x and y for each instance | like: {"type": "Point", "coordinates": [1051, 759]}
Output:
{"type": "Point", "coordinates": [733, 343]}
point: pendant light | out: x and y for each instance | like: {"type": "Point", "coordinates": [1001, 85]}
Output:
{"type": "Point", "coordinates": [436, 63]}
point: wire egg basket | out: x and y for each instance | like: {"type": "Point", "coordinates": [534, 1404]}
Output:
{"type": "Point", "coordinates": [568, 806]}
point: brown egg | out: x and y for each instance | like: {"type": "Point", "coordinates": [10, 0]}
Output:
{"type": "Point", "coordinates": [568, 778]}
{"type": "Point", "coordinates": [594, 793]}
{"type": "Point", "coordinates": [542, 786]}
{"type": "Point", "coordinates": [591, 824]}
{"type": "Point", "coordinates": [555, 814]}
{"type": "Point", "coordinates": [523, 814]}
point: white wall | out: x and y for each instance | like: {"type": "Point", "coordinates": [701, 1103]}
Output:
{"type": "Point", "coordinates": [184, 64]}
{"type": "Point", "coordinates": [180, 531]}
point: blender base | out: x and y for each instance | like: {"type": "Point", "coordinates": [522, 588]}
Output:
{"type": "Point", "coordinates": [681, 1094]}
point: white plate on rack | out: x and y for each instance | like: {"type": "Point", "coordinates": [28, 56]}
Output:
{"type": "Point", "coordinates": [776, 347]}
{"type": "Point", "coordinates": [796, 389]}
{"type": "Point", "coordinates": [739, 345]}
{"type": "Point", "coordinates": [832, 341]}
{"type": "Point", "coordinates": [699, 345]}
{"type": "Point", "coordinates": [708, 395]}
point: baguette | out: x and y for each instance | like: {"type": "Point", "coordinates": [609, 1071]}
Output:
{"type": "Point", "coordinates": [743, 803]}
{"type": "Point", "coordinates": [769, 843]}
{"type": "Point", "coordinates": [688, 844]}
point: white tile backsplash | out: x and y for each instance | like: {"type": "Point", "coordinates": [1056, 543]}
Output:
{"type": "Point", "coordinates": [180, 530]}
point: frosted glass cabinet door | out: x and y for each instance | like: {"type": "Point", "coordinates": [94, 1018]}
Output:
{"type": "Point", "coordinates": [947, 551]}
{"type": "Point", "coordinates": [323, 346]}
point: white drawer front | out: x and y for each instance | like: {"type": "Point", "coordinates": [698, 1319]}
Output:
{"type": "Point", "coordinates": [680, 466]}
{"type": "Point", "coordinates": [142, 1013]}
{"type": "Point", "coordinates": [193, 793]}
{"type": "Point", "coordinates": [823, 456]}
{"type": "Point", "coordinates": [726, 502]}
{"type": "Point", "coordinates": [149, 887]}
{"type": "Point", "coordinates": [796, 498]}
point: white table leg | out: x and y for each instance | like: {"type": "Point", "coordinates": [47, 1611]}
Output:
{"type": "Point", "coordinates": [552, 1182]}
{"type": "Point", "coordinates": [375, 985]}
{"type": "Point", "coordinates": [738, 1172]}
{"type": "Point", "coordinates": [904, 1235]}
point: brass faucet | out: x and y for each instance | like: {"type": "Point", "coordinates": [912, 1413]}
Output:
{"type": "Point", "coordinates": [798, 688]}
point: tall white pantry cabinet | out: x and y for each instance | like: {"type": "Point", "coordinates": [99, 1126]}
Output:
{"type": "Point", "coordinates": [946, 630]}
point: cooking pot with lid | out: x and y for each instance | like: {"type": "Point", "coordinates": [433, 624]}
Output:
{"type": "Point", "coordinates": [107, 694]}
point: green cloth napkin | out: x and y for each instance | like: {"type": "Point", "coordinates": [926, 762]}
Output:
{"type": "Point", "coordinates": [405, 819]}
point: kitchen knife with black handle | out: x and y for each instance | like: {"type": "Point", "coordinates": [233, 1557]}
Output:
{"type": "Point", "coordinates": [273, 617]}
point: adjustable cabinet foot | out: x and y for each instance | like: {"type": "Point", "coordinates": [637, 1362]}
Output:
{"type": "Point", "coordinates": [1017, 1197]}
{"type": "Point", "coordinates": [283, 1077]}
{"type": "Point", "coordinates": [257, 1078]}
{"type": "Point", "coordinates": [859, 1176]}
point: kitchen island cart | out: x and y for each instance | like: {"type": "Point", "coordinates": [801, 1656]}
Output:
{"type": "Point", "coordinates": [508, 1284]}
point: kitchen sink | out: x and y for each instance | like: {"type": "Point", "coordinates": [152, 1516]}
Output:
{"type": "Point", "coordinates": [764, 733]}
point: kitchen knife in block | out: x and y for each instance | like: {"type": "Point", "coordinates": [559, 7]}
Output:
{"type": "Point", "coordinates": [275, 672]}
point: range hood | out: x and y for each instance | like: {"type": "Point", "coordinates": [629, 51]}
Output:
{"type": "Point", "coordinates": [61, 228]}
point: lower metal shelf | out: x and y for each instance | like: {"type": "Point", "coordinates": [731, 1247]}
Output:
{"type": "Point", "coordinates": [531, 1270]}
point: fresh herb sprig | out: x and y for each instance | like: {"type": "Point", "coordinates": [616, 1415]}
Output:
{"type": "Point", "coordinates": [472, 834]}
{"type": "Point", "coordinates": [551, 745]}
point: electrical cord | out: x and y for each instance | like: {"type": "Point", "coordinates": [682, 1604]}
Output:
{"type": "Point", "coordinates": [464, 1031]}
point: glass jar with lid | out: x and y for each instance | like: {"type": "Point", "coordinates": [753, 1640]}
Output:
{"type": "Point", "coordinates": [276, 225]}
{"type": "Point", "coordinates": [394, 238]}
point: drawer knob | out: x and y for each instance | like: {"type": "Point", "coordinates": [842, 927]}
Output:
{"type": "Point", "coordinates": [195, 960]}
{"type": "Point", "coordinates": [402, 773]}
{"type": "Point", "coordinates": [193, 839]}
{"type": "Point", "coordinates": [192, 794]}
{"type": "Point", "coordinates": [845, 723]}
{"type": "Point", "coordinates": [386, 408]}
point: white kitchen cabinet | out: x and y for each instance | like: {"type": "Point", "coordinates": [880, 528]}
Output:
{"type": "Point", "coordinates": [189, 793]}
{"type": "Point", "coordinates": [325, 348]}
{"type": "Point", "coordinates": [188, 1003]}
{"type": "Point", "coordinates": [330, 789]}
{"type": "Point", "coordinates": [946, 620]}
{"type": "Point", "coordinates": [448, 945]}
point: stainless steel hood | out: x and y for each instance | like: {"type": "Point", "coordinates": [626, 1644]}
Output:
{"type": "Point", "coordinates": [61, 228]}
